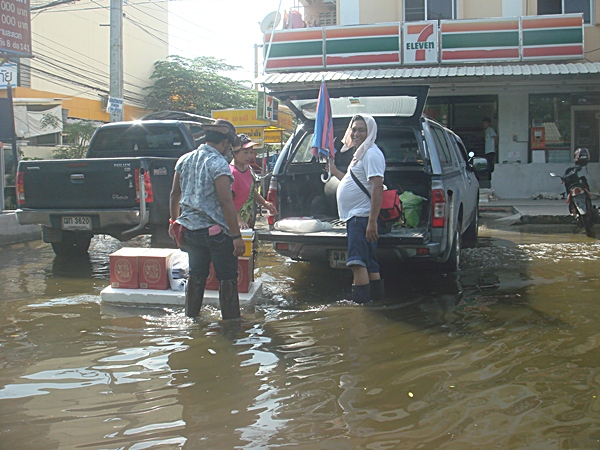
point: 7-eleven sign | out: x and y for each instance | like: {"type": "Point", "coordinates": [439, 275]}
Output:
{"type": "Point", "coordinates": [271, 108]}
{"type": "Point", "coordinates": [420, 41]}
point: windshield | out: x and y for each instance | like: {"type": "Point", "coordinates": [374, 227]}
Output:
{"type": "Point", "coordinates": [398, 106]}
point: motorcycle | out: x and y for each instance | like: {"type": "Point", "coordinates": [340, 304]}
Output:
{"type": "Point", "coordinates": [579, 199]}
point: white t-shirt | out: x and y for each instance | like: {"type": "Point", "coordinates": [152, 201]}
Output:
{"type": "Point", "coordinates": [351, 200]}
{"type": "Point", "coordinates": [490, 143]}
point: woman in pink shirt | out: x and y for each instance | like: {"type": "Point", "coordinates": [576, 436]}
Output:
{"type": "Point", "coordinates": [244, 186]}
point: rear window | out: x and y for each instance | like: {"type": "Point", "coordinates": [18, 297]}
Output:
{"type": "Point", "coordinates": [399, 145]}
{"type": "Point", "coordinates": [138, 140]}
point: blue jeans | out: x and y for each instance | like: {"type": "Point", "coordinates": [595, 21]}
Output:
{"type": "Point", "coordinates": [361, 252]}
{"type": "Point", "coordinates": [202, 249]}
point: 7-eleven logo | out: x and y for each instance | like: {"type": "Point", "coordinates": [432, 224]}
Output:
{"type": "Point", "coordinates": [420, 42]}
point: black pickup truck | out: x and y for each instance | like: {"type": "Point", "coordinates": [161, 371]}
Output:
{"type": "Point", "coordinates": [75, 199]}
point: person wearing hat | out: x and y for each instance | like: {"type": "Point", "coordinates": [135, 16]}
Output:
{"type": "Point", "coordinates": [201, 203]}
{"type": "Point", "coordinates": [244, 187]}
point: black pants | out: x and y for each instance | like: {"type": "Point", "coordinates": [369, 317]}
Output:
{"type": "Point", "coordinates": [491, 159]}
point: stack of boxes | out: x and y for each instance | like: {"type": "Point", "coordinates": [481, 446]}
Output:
{"type": "Point", "coordinates": [140, 268]}
{"type": "Point", "coordinates": [148, 268]}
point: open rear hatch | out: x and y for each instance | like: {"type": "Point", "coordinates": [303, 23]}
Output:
{"type": "Point", "coordinates": [407, 102]}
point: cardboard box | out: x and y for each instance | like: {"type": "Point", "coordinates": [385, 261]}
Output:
{"type": "Point", "coordinates": [245, 275]}
{"type": "Point", "coordinates": [124, 268]}
{"type": "Point", "coordinates": [153, 268]}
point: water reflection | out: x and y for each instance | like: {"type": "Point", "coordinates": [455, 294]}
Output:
{"type": "Point", "coordinates": [503, 354]}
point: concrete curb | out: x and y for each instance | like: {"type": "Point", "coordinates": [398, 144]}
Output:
{"type": "Point", "coordinates": [11, 232]}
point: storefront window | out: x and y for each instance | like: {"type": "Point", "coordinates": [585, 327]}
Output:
{"type": "Point", "coordinates": [416, 10]}
{"type": "Point", "coordinates": [553, 114]}
{"type": "Point", "coordinates": [566, 7]}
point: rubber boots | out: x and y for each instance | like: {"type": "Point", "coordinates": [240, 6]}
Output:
{"type": "Point", "coordinates": [361, 293]}
{"type": "Point", "coordinates": [377, 290]}
{"type": "Point", "coordinates": [194, 294]}
{"type": "Point", "coordinates": [229, 299]}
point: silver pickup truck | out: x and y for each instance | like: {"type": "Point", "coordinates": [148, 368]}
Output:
{"type": "Point", "coordinates": [422, 157]}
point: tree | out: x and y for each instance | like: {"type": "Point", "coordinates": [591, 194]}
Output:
{"type": "Point", "coordinates": [76, 135]}
{"type": "Point", "coordinates": [195, 86]}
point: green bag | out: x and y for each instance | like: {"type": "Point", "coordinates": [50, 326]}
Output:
{"type": "Point", "coordinates": [411, 206]}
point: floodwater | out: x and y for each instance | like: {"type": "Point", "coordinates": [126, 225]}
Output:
{"type": "Point", "coordinates": [504, 355]}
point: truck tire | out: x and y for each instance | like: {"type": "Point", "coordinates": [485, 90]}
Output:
{"type": "Point", "coordinates": [453, 262]}
{"type": "Point", "coordinates": [73, 244]}
{"type": "Point", "coordinates": [471, 234]}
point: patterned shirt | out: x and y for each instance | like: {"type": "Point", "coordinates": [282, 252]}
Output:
{"type": "Point", "coordinates": [198, 170]}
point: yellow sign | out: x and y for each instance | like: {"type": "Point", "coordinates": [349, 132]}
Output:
{"type": "Point", "coordinates": [254, 133]}
{"type": "Point", "coordinates": [284, 120]}
{"type": "Point", "coordinates": [240, 117]}
{"type": "Point", "coordinates": [273, 137]}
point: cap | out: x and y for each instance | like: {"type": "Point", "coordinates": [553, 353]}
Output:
{"type": "Point", "coordinates": [224, 127]}
{"type": "Point", "coordinates": [246, 141]}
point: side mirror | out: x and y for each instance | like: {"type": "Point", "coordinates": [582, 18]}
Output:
{"type": "Point", "coordinates": [552, 174]}
{"type": "Point", "coordinates": [480, 165]}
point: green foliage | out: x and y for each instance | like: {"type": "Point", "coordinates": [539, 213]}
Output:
{"type": "Point", "coordinates": [76, 136]}
{"type": "Point", "coordinates": [195, 86]}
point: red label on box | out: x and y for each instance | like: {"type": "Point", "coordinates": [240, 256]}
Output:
{"type": "Point", "coordinates": [245, 275]}
{"type": "Point", "coordinates": [153, 266]}
{"type": "Point", "coordinates": [124, 268]}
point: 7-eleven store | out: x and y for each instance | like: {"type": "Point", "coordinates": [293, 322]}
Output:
{"type": "Point", "coordinates": [527, 74]}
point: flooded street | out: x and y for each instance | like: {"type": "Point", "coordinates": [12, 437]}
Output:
{"type": "Point", "coordinates": [504, 354]}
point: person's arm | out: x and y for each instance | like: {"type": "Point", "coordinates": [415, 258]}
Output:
{"type": "Point", "coordinates": [174, 200]}
{"type": "Point", "coordinates": [372, 233]}
{"type": "Point", "coordinates": [336, 172]}
{"type": "Point", "coordinates": [261, 201]}
{"type": "Point", "coordinates": [223, 188]}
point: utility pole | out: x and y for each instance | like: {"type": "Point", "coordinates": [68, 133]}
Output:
{"type": "Point", "coordinates": [116, 60]}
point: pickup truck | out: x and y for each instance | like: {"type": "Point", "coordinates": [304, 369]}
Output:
{"type": "Point", "coordinates": [75, 199]}
{"type": "Point", "coordinates": [422, 157]}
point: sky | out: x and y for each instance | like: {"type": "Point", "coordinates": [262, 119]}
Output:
{"type": "Point", "coordinates": [225, 29]}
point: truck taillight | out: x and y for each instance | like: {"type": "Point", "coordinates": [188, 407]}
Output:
{"type": "Point", "coordinates": [438, 208]}
{"type": "Point", "coordinates": [272, 197]}
{"type": "Point", "coordinates": [20, 188]}
{"type": "Point", "coordinates": [147, 186]}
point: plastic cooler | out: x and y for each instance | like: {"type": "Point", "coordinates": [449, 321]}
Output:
{"type": "Point", "coordinates": [248, 237]}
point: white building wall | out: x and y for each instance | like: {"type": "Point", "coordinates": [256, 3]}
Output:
{"type": "Point", "coordinates": [349, 12]}
{"type": "Point", "coordinates": [76, 38]}
{"type": "Point", "coordinates": [513, 120]}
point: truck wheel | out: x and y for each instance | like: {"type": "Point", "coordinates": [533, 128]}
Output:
{"type": "Point", "coordinates": [453, 262]}
{"type": "Point", "coordinates": [73, 244]}
{"type": "Point", "coordinates": [471, 234]}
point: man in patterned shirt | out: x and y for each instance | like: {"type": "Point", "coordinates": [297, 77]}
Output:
{"type": "Point", "coordinates": [201, 202]}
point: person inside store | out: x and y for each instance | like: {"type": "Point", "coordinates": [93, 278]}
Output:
{"type": "Point", "coordinates": [245, 185]}
{"type": "Point", "coordinates": [358, 210]}
{"type": "Point", "coordinates": [490, 143]}
{"type": "Point", "coordinates": [204, 219]}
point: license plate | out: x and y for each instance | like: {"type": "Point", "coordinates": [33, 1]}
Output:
{"type": "Point", "coordinates": [76, 223]}
{"type": "Point", "coordinates": [337, 259]}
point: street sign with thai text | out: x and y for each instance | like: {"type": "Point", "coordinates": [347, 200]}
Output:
{"type": "Point", "coordinates": [15, 28]}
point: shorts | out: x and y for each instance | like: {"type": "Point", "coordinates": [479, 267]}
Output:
{"type": "Point", "coordinates": [361, 252]}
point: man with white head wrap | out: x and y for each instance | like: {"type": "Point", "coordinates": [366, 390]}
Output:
{"type": "Point", "coordinates": [358, 210]}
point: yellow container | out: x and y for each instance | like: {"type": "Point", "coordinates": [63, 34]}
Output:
{"type": "Point", "coordinates": [248, 237]}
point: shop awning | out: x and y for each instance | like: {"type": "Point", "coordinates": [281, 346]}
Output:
{"type": "Point", "coordinates": [438, 75]}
